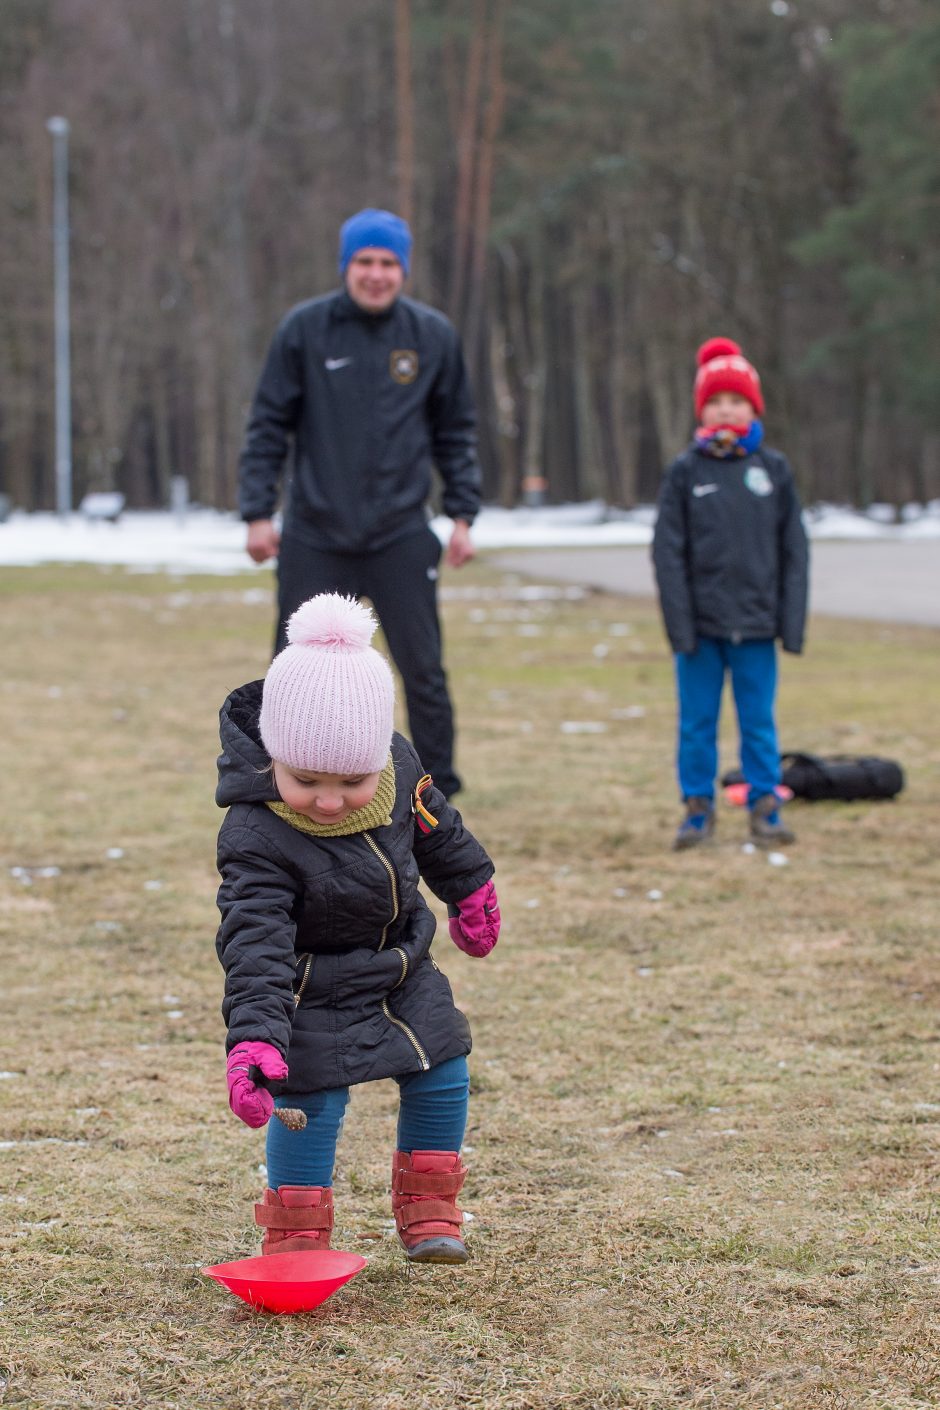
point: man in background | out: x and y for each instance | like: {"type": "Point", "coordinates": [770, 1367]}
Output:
{"type": "Point", "coordinates": [371, 388]}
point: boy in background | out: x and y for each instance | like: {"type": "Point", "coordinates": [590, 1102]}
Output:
{"type": "Point", "coordinates": [731, 564]}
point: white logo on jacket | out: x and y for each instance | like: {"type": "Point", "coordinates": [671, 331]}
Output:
{"type": "Point", "coordinates": [699, 490]}
{"type": "Point", "coordinates": [757, 480]}
{"type": "Point", "coordinates": [333, 364]}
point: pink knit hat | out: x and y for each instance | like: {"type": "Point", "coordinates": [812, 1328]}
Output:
{"type": "Point", "coordinates": [329, 696]}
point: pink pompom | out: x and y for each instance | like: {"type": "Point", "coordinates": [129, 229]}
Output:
{"type": "Point", "coordinates": [332, 620]}
{"type": "Point", "coordinates": [716, 347]}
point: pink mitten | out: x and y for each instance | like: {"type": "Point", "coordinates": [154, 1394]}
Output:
{"type": "Point", "coordinates": [252, 1104]}
{"type": "Point", "coordinates": [474, 921]}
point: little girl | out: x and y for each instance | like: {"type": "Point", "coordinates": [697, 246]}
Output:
{"type": "Point", "coordinates": [325, 938]}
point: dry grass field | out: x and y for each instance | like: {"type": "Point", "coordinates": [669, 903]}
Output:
{"type": "Point", "coordinates": [706, 1108]}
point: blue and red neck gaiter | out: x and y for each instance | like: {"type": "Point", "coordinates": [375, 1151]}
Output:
{"type": "Point", "coordinates": [729, 442]}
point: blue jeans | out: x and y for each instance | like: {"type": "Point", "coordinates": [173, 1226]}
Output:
{"type": "Point", "coordinates": [432, 1116]}
{"type": "Point", "coordinates": [700, 677]}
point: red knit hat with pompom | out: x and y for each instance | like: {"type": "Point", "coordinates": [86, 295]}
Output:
{"type": "Point", "coordinates": [722, 367]}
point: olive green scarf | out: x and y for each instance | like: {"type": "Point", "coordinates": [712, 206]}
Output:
{"type": "Point", "coordinates": [378, 813]}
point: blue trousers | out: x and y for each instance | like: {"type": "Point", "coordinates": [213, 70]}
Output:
{"type": "Point", "coordinates": [700, 677]}
{"type": "Point", "coordinates": [432, 1116]}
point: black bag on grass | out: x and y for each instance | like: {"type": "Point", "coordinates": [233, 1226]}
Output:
{"type": "Point", "coordinates": [842, 777]}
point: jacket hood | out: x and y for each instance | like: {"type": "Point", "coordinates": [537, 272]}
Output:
{"type": "Point", "coordinates": [244, 764]}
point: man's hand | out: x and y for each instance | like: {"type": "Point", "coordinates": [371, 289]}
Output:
{"type": "Point", "coordinates": [264, 540]}
{"type": "Point", "coordinates": [460, 549]}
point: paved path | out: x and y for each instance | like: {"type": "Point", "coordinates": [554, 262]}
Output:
{"type": "Point", "coordinates": [877, 580]}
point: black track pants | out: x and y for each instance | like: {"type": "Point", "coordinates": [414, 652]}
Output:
{"type": "Point", "coordinates": [401, 583]}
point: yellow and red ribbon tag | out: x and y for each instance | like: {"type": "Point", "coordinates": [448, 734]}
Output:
{"type": "Point", "coordinates": [425, 820]}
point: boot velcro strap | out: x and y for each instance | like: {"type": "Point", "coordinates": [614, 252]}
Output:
{"type": "Point", "coordinates": [429, 1182]}
{"type": "Point", "coordinates": [308, 1216]}
{"type": "Point", "coordinates": [422, 1211]}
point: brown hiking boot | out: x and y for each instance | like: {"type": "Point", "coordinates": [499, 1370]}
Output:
{"type": "Point", "coordinates": [697, 826]}
{"type": "Point", "coordinates": [295, 1218]}
{"type": "Point", "coordinates": [424, 1187]}
{"type": "Point", "coordinates": [766, 828]}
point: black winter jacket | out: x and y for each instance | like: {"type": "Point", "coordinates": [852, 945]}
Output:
{"type": "Point", "coordinates": [326, 941]}
{"type": "Point", "coordinates": [370, 400]}
{"type": "Point", "coordinates": [730, 551]}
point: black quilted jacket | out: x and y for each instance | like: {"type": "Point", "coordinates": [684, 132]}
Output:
{"type": "Point", "coordinates": [326, 942]}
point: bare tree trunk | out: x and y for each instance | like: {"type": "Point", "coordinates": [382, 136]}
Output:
{"type": "Point", "coordinates": [404, 111]}
{"type": "Point", "coordinates": [928, 469]}
{"type": "Point", "coordinates": [492, 118]}
{"type": "Point", "coordinates": [506, 425]}
{"type": "Point", "coordinates": [619, 369]}
{"type": "Point", "coordinates": [524, 308]}
{"type": "Point", "coordinates": [669, 399]}
{"type": "Point", "coordinates": [466, 145]}
{"type": "Point", "coordinates": [588, 472]}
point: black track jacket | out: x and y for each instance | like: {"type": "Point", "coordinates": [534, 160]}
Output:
{"type": "Point", "coordinates": [370, 401]}
{"type": "Point", "coordinates": [730, 551]}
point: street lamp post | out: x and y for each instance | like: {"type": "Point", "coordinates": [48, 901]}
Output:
{"type": "Point", "coordinates": [59, 128]}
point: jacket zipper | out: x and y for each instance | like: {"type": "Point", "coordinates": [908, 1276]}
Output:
{"type": "Point", "coordinates": [303, 983]}
{"type": "Point", "coordinates": [404, 965]}
{"type": "Point", "coordinates": [409, 1034]}
{"type": "Point", "coordinates": [394, 882]}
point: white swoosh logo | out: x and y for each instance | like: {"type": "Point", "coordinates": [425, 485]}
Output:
{"type": "Point", "coordinates": [699, 490]}
{"type": "Point", "coordinates": [332, 364]}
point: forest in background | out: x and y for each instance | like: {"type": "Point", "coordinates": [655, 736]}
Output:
{"type": "Point", "coordinates": [594, 186]}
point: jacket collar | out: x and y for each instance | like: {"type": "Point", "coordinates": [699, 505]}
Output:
{"type": "Point", "coordinates": [346, 310]}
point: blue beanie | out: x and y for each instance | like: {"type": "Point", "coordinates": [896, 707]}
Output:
{"type": "Point", "coordinates": [373, 229]}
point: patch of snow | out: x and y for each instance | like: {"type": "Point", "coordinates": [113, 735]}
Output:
{"type": "Point", "coordinates": [654, 895]}
{"type": "Point", "coordinates": [114, 854]}
{"type": "Point", "coordinates": [778, 859]}
{"type": "Point", "coordinates": [153, 885]}
{"type": "Point", "coordinates": [583, 727]}
{"type": "Point", "coordinates": [210, 541]}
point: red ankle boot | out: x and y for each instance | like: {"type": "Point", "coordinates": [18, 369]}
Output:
{"type": "Point", "coordinates": [424, 1187]}
{"type": "Point", "coordinates": [295, 1218]}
